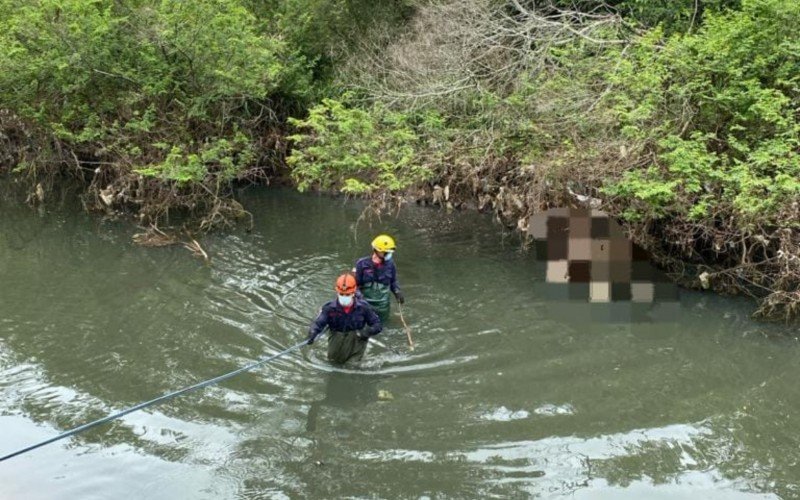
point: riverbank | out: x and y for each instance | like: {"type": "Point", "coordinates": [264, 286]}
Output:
{"type": "Point", "coordinates": [662, 119]}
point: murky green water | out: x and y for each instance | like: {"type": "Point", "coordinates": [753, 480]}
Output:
{"type": "Point", "coordinates": [505, 396]}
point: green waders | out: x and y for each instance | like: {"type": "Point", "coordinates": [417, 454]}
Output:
{"type": "Point", "coordinates": [344, 346]}
{"type": "Point", "coordinates": [379, 297]}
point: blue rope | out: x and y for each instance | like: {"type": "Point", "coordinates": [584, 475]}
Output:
{"type": "Point", "coordinates": [82, 428]}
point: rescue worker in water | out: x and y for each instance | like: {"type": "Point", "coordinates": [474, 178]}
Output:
{"type": "Point", "coordinates": [376, 276]}
{"type": "Point", "coordinates": [351, 322]}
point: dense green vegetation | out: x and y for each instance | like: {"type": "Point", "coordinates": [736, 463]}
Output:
{"type": "Point", "coordinates": [361, 151]}
{"type": "Point", "coordinates": [686, 127]}
{"type": "Point", "coordinates": [159, 104]}
{"type": "Point", "coordinates": [680, 116]}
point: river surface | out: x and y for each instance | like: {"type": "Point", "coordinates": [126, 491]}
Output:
{"type": "Point", "coordinates": [505, 396]}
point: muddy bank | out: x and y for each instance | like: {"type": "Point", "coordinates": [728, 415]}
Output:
{"type": "Point", "coordinates": [762, 265]}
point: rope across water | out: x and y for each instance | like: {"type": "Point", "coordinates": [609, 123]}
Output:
{"type": "Point", "coordinates": [159, 399]}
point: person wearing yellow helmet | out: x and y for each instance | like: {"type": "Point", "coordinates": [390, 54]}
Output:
{"type": "Point", "coordinates": [376, 276]}
{"type": "Point", "coordinates": [351, 322]}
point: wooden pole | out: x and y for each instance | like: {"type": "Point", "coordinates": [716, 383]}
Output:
{"type": "Point", "coordinates": [405, 326]}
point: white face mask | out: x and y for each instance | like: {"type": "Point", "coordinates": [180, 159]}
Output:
{"type": "Point", "coordinates": [388, 256]}
{"type": "Point", "coordinates": [345, 300]}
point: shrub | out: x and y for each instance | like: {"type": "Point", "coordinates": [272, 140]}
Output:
{"type": "Point", "coordinates": [356, 151]}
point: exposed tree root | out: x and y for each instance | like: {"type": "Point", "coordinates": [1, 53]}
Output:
{"type": "Point", "coordinates": [194, 247]}
{"type": "Point", "coordinates": [153, 236]}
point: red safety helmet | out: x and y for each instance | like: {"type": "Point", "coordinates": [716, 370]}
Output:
{"type": "Point", "coordinates": [346, 284]}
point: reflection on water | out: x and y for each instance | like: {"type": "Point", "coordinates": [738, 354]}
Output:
{"type": "Point", "coordinates": [592, 467]}
{"type": "Point", "coordinates": [508, 394]}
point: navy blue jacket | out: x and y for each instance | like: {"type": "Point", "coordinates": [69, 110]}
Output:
{"type": "Point", "coordinates": [368, 271]}
{"type": "Point", "coordinates": [334, 317]}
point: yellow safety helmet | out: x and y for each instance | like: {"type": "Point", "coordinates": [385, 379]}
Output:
{"type": "Point", "coordinates": [383, 243]}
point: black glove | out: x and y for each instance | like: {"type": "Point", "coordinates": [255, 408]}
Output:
{"type": "Point", "coordinates": [310, 339]}
{"type": "Point", "coordinates": [400, 298]}
{"type": "Point", "coordinates": [363, 336]}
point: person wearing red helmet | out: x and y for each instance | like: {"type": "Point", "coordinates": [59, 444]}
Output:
{"type": "Point", "coordinates": [351, 321]}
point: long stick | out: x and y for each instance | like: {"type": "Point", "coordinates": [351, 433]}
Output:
{"type": "Point", "coordinates": [214, 380]}
{"type": "Point", "coordinates": [405, 326]}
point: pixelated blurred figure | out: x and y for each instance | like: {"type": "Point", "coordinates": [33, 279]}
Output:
{"type": "Point", "coordinates": [587, 252]}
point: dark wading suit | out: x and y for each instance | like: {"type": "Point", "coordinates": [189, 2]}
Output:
{"type": "Point", "coordinates": [375, 281]}
{"type": "Point", "coordinates": [350, 329]}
